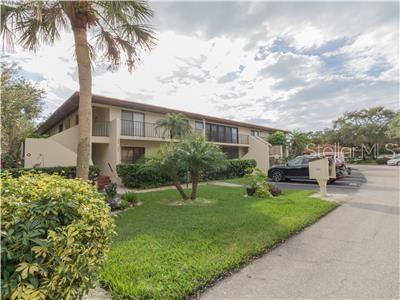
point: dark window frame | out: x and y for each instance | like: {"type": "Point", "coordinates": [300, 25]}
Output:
{"type": "Point", "coordinates": [135, 152]}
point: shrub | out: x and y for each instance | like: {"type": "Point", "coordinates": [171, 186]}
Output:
{"type": "Point", "coordinates": [68, 172]}
{"type": "Point", "coordinates": [233, 168]}
{"type": "Point", "coordinates": [144, 175]}
{"type": "Point", "coordinates": [131, 197]}
{"type": "Point", "coordinates": [111, 190]}
{"type": "Point", "coordinates": [262, 190]}
{"type": "Point", "coordinates": [274, 190]}
{"type": "Point", "coordinates": [123, 204]}
{"type": "Point", "coordinates": [55, 234]}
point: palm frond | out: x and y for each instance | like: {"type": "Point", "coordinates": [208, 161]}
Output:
{"type": "Point", "coordinates": [31, 23]}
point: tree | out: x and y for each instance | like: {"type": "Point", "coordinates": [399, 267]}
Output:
{"type": "Point", "coordinates": [198, 155]}
{"type": "Point", "coordinates": [175, 124]}
{"type": "Point", "coordinates": [277, 138]}
{"type": "Point", "coordinates": [393, 131]}
{"type": "Point", "coordinates": [364, 127]}
{"type": "Point", "coordinates": [21, 106]}
{"type": "Point", "coordinates": [119, 29]}
{"type": "Point", "coordinates": [193, 154]}
{"type": "Point", "coordinates": [297, 143]}
{"type": "Point", "coordinates": [167, 161]}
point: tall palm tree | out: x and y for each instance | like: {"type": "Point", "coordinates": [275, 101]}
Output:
{"type": "Point", "coordinates": [118, 28]}
{"type": "Point", "coordinates": [175, 124]}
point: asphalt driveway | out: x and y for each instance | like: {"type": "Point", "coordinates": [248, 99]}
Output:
{"type": "Point", "coordinates": [351, 253]}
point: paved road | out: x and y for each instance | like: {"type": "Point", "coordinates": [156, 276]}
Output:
{"type": "Point", "coordinates": [347, 184]}
{"type": "Point", "coordinates": [351, 253]}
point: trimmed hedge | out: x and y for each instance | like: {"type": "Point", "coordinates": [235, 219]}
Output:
{"type": "Point", "coordinates": [55, 233]}
{"type": "Point", "coordinates": [141, 175]}
{"type": "Point", "coordinates": [67, 172]}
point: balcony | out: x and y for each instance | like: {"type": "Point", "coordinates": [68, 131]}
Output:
{"type": "Point", "coordinates": [100, 128]}
{"type": "Point", "coordinates": [142, 129]}
{"type": "Point", "coordinates": [149, 130]}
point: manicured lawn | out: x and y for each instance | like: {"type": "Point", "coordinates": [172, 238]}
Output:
{"type": "Point", "coordinates": [164, 250]}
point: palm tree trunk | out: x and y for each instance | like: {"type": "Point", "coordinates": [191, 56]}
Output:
{"type": "Point", "coordinates": [85, 102]}
{"type": "Point", "coordinates": [175, 181]}
{"type": "Point", "coordinates": [195, 183]}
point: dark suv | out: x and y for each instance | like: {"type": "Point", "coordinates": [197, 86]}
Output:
{"type": "Point", "coordinates": [296, 168]}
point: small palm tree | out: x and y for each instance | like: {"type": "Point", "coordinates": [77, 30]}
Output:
{"type": "Point", "coordinates": [166, 161]}
{"type": "Point", "coordinates": [198, 155]}
{"type": "Point", "coordinates": [175, 124]}
{"type": "Point", "coordinates": [119, 30]}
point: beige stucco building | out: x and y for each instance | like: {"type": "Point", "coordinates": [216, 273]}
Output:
{"type": "Point", "coordinates": [123, 131]}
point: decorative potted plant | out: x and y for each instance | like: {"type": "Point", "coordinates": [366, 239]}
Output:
{"type": "Point", "coordinates": [254, 180]}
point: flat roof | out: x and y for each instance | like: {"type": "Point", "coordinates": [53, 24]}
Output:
{"type": "Point", "coordinates": [72, 104]}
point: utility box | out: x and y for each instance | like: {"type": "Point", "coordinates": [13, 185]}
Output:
{"type": "Point", "coordinates": [322, 169]}
{"type": "Point", "coordinates": [319, 168]}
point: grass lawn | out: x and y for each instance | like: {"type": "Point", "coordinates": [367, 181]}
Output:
{"type": "Point", "coordinates": [168, 250]}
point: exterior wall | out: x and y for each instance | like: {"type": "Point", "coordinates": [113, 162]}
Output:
{"type": "Point", "coordinates": [47, 153]}
{"type": "Point", "coordinates": [69, 120]}
{"type": "Point", "coordinates": [68, 138]}
{"type": "Point", "coordinates": [259, 151]}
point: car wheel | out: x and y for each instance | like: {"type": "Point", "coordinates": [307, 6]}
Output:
{"type": "Point", "coordinates": [398, 163]}
{"type": "Point", "coordinates": [277, 176]}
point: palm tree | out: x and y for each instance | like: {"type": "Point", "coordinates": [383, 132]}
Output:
{"type": "Point", "coordinates": [176, 124]}
{"type": "Point", "coordinates": [198, 155]}
{"type": "Point", "coordinates": [118, 28]}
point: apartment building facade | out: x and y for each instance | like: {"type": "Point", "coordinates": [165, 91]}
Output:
{"type": "Point", "coordinates": [124, 131]}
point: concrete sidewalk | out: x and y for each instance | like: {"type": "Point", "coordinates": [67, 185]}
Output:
{"type": "Point", "coordinates": [351, 253]}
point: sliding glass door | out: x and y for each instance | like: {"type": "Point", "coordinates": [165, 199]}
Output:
{"type": "Point", "coordinates": [132, 123]}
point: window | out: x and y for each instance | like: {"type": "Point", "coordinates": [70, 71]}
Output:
{"type": "Point", "coordinates": [198, 125]}
{"type": "Point", "coordinates": [255, 132]}
{"type": "Point", "coordinates": [130, 155]}
{"type": "Point", "coordinates": [132, 123]}
{"type": "Point", "coordinates": [297, 161]}
{"type": "Point", "coordinates": [60, 127]}
{"type": "Point", "coordinates": [67, 123]}
{"type": "Point", "coordinates": [76, 119]}
{"type": "Point", "coordinates": [221, 133]}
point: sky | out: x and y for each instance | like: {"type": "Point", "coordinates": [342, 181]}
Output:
{"type": "Point", "coordinates": [293, 65]}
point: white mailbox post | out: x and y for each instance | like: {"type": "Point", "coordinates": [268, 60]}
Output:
{"type": "Point", "coordinates": [322, 169]}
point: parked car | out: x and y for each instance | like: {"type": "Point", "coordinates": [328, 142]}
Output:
{"type": "Point", "coordinates": [296, 168]}
{"type": "Point", "coordinates": [395, 161]}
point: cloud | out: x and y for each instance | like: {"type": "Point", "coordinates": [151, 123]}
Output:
{"type": "Point", "coordinates": [288, 65]}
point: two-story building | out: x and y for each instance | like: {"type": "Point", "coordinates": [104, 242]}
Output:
{"type": "Point", "coordinates": [123, 131]}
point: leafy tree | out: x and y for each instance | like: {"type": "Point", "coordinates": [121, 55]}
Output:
{"type": "Point", "coordinates": [365, 126]}
{"type": "Point", "coordinates": [199, 155]}
{"type": "Point", "coordinates": [175, 124]}
{"type": "Point", "coordinates": [393, 131]}
{"type": "Point", "coordinates": [297, 143]}
{"type": "Point", "coordinates": [21, 106]}
{"type": "Point", "coordinates": [277, 138]}
{"type": "Point", "coordinates": [119, 29]}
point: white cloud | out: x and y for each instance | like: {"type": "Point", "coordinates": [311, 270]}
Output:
{"type": "Point", "coordinates": [289, 65]}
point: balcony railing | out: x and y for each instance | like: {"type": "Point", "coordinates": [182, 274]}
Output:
{"type": "Point", "coordinates": [143, 129]}
{"type": "Point", "coordinates": [100, 128]}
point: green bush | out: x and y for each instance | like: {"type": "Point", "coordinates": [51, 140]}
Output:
{"type": "Point", "coordinates": [123, 204]}
{"type": "Point", "coordinates": [68, 172]}
{"type": "Point", "coordinates": [55, 234]}
{"type": "Point", "coordinates": [143, 175]}
{"type": "Point", "coordinates": [131, 197]}
{"type": "Point", "coordinates": [111, 190]}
